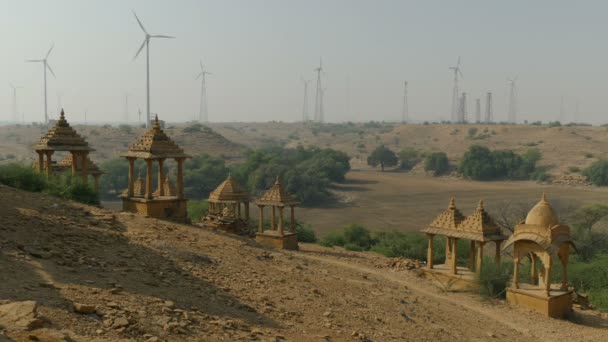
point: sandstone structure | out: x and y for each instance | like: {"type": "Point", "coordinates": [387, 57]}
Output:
{"type": "Point", "coordinates": [278, 200]}
{"type": "Point", "coordinates": [63, 138]}
{"type": "Point", "coordinates": [228, 207]}
{"type": "Point", "coordinates": [478, 228]}
{"type": "Point", "coordinates": [155, 146]}
{"type": "Point", "coordinates": [544, 240]}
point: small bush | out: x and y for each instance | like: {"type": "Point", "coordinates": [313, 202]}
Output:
{"type": "Point", "coordinates": [125, 128]}
{"type": "Point", "coordinates": [354, 237]}
{"type": "Point", "coordinates": [494, 279]}
{"type": "Point", "coordinates": [408, 157]}
{"type": "Point", "coordinates": [306, 233]}
{"type": "Point", "coordinates": [22, 177]}
{"type": "Point", "coordinates": [197, 209]}
{"type": "Point", "coordinates": [472, 131]}
{"type": "Point", "coordinates": [588, 155]}
{"type": "Point", "coordinates": [574, 169]}
{"type": "Point", "coordinates": [333, 239]}
{"type": "Point", "coordinates": [397, 244]}
{"type": "Point", "coordinates": [436, 162]}
{"type": "Point", "coordinates": [597, 173]}
{"type": "Point", "coordinates": [197, 127]}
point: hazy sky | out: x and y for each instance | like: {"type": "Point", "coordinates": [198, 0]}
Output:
{"type": "Point", "coordinates": [258, 50]}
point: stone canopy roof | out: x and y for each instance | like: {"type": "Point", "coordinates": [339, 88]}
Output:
{"type": "Point", "coordinates": [228, 191]}
{"type": "Point", "coordinates": [155, 144]}
{"type": "Point", "coordinates": [62, 137]}
{"type": "Point", "coordinates": [277, 196]}
{"type": "Point", "coordinates": [478, 226]}
{"type": "Point", "coordinates": [92, 168]}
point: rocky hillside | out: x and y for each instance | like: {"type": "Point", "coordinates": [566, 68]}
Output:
{"type": "Point", "coordinates": [74, 272]}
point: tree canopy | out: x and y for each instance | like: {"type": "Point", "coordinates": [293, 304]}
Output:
{"type": "Point", "coordinates": [382, 156]}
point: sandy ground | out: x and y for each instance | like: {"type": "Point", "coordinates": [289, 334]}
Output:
{"type": "Point", "coordinates": [152, 280]}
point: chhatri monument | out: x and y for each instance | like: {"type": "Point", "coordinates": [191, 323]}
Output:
{"type": "Point", "coordinates": [278, 199]}
{"type": "Point", "coordinates": [228, 207]}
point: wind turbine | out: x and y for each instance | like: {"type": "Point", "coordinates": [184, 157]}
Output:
{"type": "Point", "coordinates": [203, 114]}
{"type": "Point", "coordinates": [305, 103]}
{"type": "Point", "coordinates": [15, 112]}
{"type": "Point", "coordinates": [45, 66]}
{"type": "Point", "coordinates": [512, 100]}
{"type": "Point", "coordinates": [319, 94]}
{"type": "Point", "coordinates": [455, 92]}
{"type": "Point", "coordinates": [146, 43]}
{"type": "Point", "coordinates": [405, 114]}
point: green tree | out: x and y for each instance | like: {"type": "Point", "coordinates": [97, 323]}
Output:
{"type": "Point", "coordinates": [202, 174]}
{"type": "Point", "coordinates": [597, 173]}
{"type": "Point", "coordinates": [408, 157]}
{"type": "Point", "coordinates": [477, 163]}
{"type": "Point", "coordinates": [436, 162]}
{"type": "Point", "coordinates": [382, 156]}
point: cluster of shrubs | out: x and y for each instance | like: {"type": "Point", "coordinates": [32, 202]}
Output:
{"type": "Point", "coordinates": [60, 185]}
{"type": "Point", "coordinates": [480, 163]}
{"type": "Point", "coordinates": [436, 162]}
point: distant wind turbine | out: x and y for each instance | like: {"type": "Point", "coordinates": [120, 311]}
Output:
{"type": "Point", "coordinates": [455, 93]}
{"type": "Point", "coordinates": [15, 112]}
{"type": "Point", "coordinates": [146, 43]}
{"type": "Point", "coordinates": [512, 100]}
{"type": "Point", "coordinates": [319, 94]}
{"type": "Point", "coordinates": [45, 66]}
{"type": "Point", "coordinates": [305, 117]}
{"type": "Point", "coordinates": [203, 114]}
{"type": "Point", "coordinates": [405, 114]}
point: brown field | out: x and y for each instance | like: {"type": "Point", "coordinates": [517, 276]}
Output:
{"type": "Point", "coordinates": [408, 202]}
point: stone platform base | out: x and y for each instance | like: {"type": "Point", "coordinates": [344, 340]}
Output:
{"type": "Point", "coordinates": [165, 208]}
{"type": "Point", "coordinates": [273, 239]}
{"type": "Point", "coordinates": [463, 280]}
{"type": "Point", "coordinates": [558, 305]}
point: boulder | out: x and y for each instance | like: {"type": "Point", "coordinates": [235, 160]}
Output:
{"type": "Point", "coordinates": [20, 316]}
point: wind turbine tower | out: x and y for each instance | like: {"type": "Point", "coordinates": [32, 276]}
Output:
{"type": "Point", "coordinates": [319, 94]}
{"type": "Point", "coordinates": [455, 92]}
{"type": "Point", "coordinates": [405, 115]}
{"type": "Point", "coordinates": [512, 101]}
{"type": "Point", "coordinates": [14, 109]}
{"type": "Point", "coordinates": [477, 110]}
{"type": "Point", "coordinates": [305, 117]}
{"type": "Point", "coordinates": [45, 66]}
{"type": "Point", "coordinates": [146, 43]}
{"type": "Point", "coordinates": [489, 110]}
{"type": "Point", "coordinates": [203, 114]}
{"type": "Point", "coordinates": [462, 111]}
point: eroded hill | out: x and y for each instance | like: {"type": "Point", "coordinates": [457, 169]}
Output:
{"type": "Point", "coordinates": [96, 275]}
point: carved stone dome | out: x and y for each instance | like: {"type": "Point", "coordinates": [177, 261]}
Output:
{"type": "Point", "coordinates": [542, 214]}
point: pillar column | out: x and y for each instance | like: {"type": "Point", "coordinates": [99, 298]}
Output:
{"type": "Point", "coordinates": [74, 163]}
{"type": "Point", "coordinates": [430, 252]}
{"type": "Point", "coordinates": [472, 256]}
{"type": "Point", "coordinates": [161, 177]}
{"type": "Point", "coordinates": [85, 166]}
{"type": "Point", "coordinates": [148, 194]}
{"type": "Point", "coordinates": [247, 211]}
{"type": "Point", "coordinates": [516, 272]}
{"type": "Point", "coordinates": [454, 257]}
{"type": "Point", "coordinates": [548, 279]}
{"type": "Point", "coordinates": [131, 176]}
{"type": "Point", "coordinates": [564, 286]}
{"type": "Point", "coordinates": [49, 163]}
{"type": "Point", "coordinates": [280, 220]}
{"type": "Point", "coordinates": [261, 226]}
{"type": "Point", "coordinates": [273, 218]}
{"type": "Point", "coordinates": [292, 220]}
{"type": "Point", "coordinates": [497, 252]}
{"type": "Point", "coordinates": [480, 245]}
{"type": "Point", "coordinates": [96, 182]}
{"type": "Point", "coordinates": [180, 177]}
{"type": "Point", "coordinates": [533, 269]}
{"type": "Point", "coordinates": [448, 251]}
{"type": "Point", "coordinates": [238, 209]}
{"type": "Point", "coordinates": [40, 161]}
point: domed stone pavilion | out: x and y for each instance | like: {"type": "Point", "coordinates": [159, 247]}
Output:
{"type": "Point", "coordinates": [277, 198]}
{"type": "Point", "coordinates": [544, 241]}
{"type": "Point", "coordinates": [228, 207]}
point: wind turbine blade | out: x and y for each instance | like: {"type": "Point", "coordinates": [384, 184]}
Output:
{"type": "Point", "coordinates": [161, 36]}
{"type": "Point", "coordinates": [48, 53]}
{"type": "Point", "coordinates": [51, 70]}
{"type": "Point", "coordinates": [208, 73]}
{"type": "Point", "coordinates": [201, 63]}
{"type": "Point", "coordinates": [140, 48]}
{"type": "Point", "coordinates": [199, 76]}
{"type": "Point", "coordinates": [460, 72]}
{"type": "Point", "coordinates": [33, 60]}
{"type": "Point", "coordinates": [139, 22]}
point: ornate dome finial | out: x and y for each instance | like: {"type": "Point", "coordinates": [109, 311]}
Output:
{"type": "Point", "coordinates": [543, 197]}
{"type": "Point", "coordinates": [156, 123]}
{"type": "Point", "coordinates": [480, 205]}
{"type": "Point", "coordinates": [277, 180]}
{"type": "Point", "coordinates": [452, 203]}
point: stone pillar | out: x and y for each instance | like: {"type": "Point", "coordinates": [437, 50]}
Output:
{"type": "Point", "coordinates": [454, 257]}
{"type": "Point", "coordinates": [96, 182]}
{"type": "Point", "coordinates": [564, 286]}
{"type": "Point", "coordinates": [292, 221]}
{"type": "Point", "coordinates": [161, 177]}
{"type": "Point", "coordinates": [480, 245]}
{"type": "Point", "coordinates": [131, 176]}
{"type": "Point", "coordinates": [238, 209]}
{"type": "Point", "coordinates": [272, 219]}
{"type": "Point", "coordinates": [40, 161]}
{"type": "Point", "coordinates": [430, 252]}
{"type": "Point", "coordinates": [74, 163]}
{"type": "Point", "coordinates": [472, 256]}
{"type": "Point", "coordinates": [148, 194]}
{"type": "Point", "coordinates": [180, 177]}
{"type": "Point", "coordinates": [548, 279]}
{"type": "Point", "coordinates": [247, 211]}
{"type": "Point", "coordinates": [85, 166]}
{"type": "Point", "coordinates": [516, 272]}
{"type": "Point", "coordinates": [281, 220]}
{"type": "Point", "coordinates": [261, 227]}
{"type": "Point", "coordinates": [49, 163]}
{"type": "Point", "coordinates": [448, 251]}
{"type": "Point", "coordinates": [497, 252]}
{"type": "Point", "coordinates": [533, 269]}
